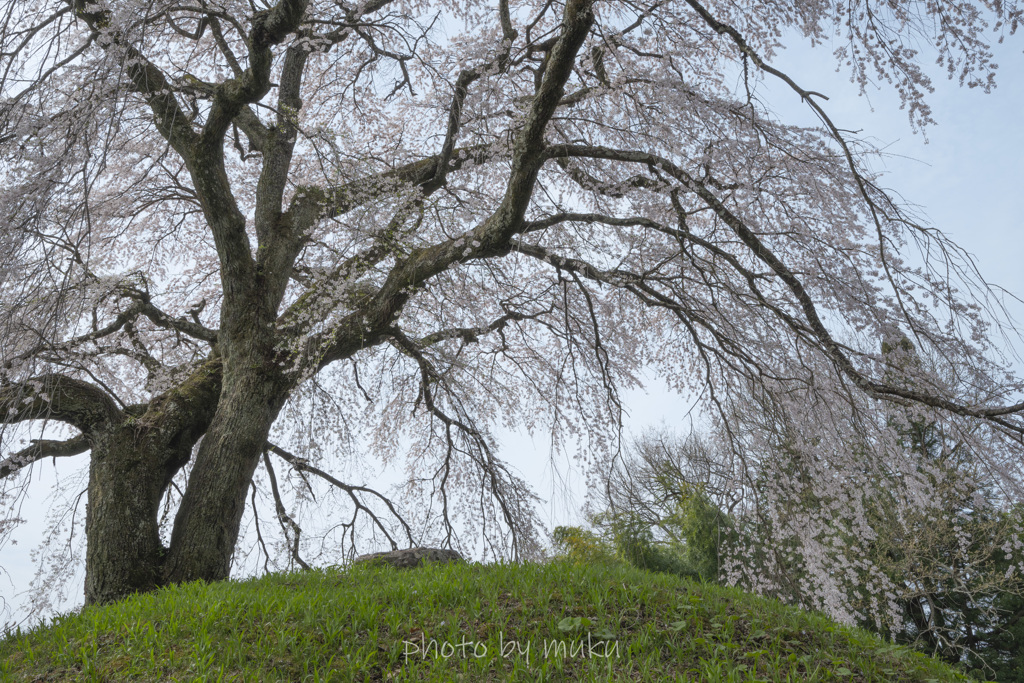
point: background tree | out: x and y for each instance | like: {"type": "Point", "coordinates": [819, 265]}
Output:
{"type": "Point", "coordinates": [665, 505]}
{"type": "Point", "coordinates": [998, 654]}
{"type": "Point", "coordinates": [415, 221]}
{"type": "Point", "coordinates": [944, 558]}
{"type": "Point", "coordinates": [946, 563]}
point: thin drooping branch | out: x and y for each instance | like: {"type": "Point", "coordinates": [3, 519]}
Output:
{"type": "Point", "coordinates": [259, 533]}
{"type": "Point", "coordinates": [286, 520]}
{"type": "Point", "coordinates": [641, 283]}
{"type": "Point", "coordinates": [727, 352]}
{"type": "Point", "coordinates": [500, 485]}
{"type": "Point", "coordinates": [833, 349]}
{"type": "Point", "coordinates": [869, 192]}
{"type": "Point", "coordinates": [352, 490]}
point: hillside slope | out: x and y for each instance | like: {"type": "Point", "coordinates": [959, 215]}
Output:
{"type": "Point", "coordinates": [553, 622]}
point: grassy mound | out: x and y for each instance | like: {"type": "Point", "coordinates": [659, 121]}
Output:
{"type": "Point", "coordinates": [554, 622]}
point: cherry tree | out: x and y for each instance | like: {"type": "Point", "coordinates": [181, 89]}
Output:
{"type": "Point", "coordinates": [239, 235]}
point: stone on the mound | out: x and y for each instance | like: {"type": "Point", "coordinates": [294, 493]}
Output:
{"type": "Point", "coordinates": [411, 557]}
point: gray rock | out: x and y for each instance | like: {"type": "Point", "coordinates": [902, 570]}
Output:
{"type": "Point", "coordinates": [411, 557]}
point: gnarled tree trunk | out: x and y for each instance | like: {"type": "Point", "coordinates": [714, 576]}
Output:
{"type": "Point", "coordinates": [126, 483]}
{"type": "Point", "coordinates": [207, 524]}
{"type": "Point", "coordinates": [132, 463]}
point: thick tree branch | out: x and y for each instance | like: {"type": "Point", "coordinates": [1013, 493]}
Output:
{"type": "Point", "coordinates": [466, 78]}
{"type": "Point", "coordinates": [279, 240]}
{"type": "Point", "coordinates": [222, 44]}
{"type": "Point", "coordinates": [147, 80]}
{"type": "Point", "coordinates": [269, 28]}
{"type": "Point", "coordinates": [370, 324]}
{"type": "Point", "coordinates": [186, 327]}
{"type": "Point", "coordinates": [312, 203]}
{"type": "Point", "coordinates": [57, 397]}
{"type": "Point", "coordinates": [43, 448]}
{"type": "Point", "coordinates": [471, 335]}
{"type": "Point", "coordinates": [256, 132]}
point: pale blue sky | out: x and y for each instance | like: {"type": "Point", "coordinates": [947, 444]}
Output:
{"type": "Point", "coordinates": [967, 179]}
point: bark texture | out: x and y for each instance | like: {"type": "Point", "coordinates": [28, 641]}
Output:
{"type": "Point", "coordinates": [123, 553]}
{"type": "Point", "coordinates": [207, 523]}
{"type": "Point", "coordinates": [133, 461]}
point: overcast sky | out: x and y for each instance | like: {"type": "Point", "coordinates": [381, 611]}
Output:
{"type": "Point", "coordinates": [967, 180]}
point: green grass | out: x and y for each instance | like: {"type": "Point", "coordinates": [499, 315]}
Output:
{"type": "Point", "coordinates": [374, 623]}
